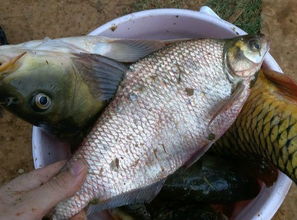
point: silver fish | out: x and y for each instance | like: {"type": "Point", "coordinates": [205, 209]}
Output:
{"type": "Point", "coordinates": [170, 108]}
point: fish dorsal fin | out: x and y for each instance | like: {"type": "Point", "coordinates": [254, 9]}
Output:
{"type": "Point", "coordinates": [146, 194]}
{"type": "Point", "coordinates": [122, 50]}
{"type": "Point", "coordinates": [284, 83]}
{"type": "Point", "coordinates": [129, 51]}
{"type": "Point", "coordinates": [103, 75]}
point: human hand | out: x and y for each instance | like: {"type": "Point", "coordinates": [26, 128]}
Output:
{"type": "Point", "coordinates": [32, 195]}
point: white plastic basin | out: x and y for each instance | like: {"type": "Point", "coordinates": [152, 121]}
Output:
{"type": "Point", "coordinates": [170, 24]}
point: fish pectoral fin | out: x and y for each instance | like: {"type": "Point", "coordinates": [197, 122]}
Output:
{"type": "Point", "coordinates": [220, 109]}
{"type": "Point", "coordinates": [101, 74]}
{"type": "Point", "coordinates": [146, 194]}
{"type": "Point", "coordinates": [4, 67]}
{"type": "Point", "coordinates": [227, 104]}
{"type": "Point", "coordinates": [128, 51]}
{"type": "Point", "coordinates": [197, 155]}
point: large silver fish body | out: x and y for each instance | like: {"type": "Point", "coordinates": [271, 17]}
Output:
{"type": "Point", "coordinates": [171, 106]}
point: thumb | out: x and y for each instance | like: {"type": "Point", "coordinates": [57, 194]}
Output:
{"type": "Point", "coordinates": [60, 187]}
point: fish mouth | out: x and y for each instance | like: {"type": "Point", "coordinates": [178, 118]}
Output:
{"type": "Point", "coordinates": [6, 66]}
{"type": "Point", "coordinates": [8, 101]}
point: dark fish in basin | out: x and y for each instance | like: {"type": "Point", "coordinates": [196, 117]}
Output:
{"type": "Point", "coordinates": [62, 84]}
{"type": "Point", "coordinates": [210, 180]}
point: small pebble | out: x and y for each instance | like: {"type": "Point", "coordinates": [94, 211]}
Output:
{"type": "Point", "coordinates": [9, 138]}
{"type": "Point", "coordinates": [21, 171]}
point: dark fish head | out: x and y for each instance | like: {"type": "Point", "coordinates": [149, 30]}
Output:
{"type": "Point", "coordinates": [44, 90]}
{"type": "Point", "coordinates": [244, 55]}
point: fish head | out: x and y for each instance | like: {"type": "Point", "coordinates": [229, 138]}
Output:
{"type": "Point", "coordinates": [43, 89]}
{"type": "Point", "coordinates": [244, 55]}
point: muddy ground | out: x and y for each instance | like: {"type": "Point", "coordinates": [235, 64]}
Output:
{"type": "Point", "coordinates": [27, 19]}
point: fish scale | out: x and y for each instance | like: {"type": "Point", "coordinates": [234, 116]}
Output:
{"type": "Point", "coordinates": [266, 127]}
{"type": "Point", "coordinates": [162, 115]}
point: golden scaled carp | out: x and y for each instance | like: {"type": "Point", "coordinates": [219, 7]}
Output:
{"type": "Point", "coordinates": [267, 125]}
{"type": "Point", "coordinates": [62, 84]}
{"type": "Point", "coordinates": [169, 109]}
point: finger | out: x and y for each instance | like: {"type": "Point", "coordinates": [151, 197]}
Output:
{"type": "Point", "coordinates": [64, 185]}
{"type": "Point", "coordinates": [33, 179]}
{"type": "Point", "coordinates": [80, 216]}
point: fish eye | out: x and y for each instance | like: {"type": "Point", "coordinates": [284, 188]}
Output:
{"type": "Point", "coordinates": [41, 102]}
{"type": "Point", "coordinates": [254, 45]}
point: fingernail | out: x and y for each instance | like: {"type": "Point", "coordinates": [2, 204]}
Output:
{"type": "Point", "coordinates": [76, 168]}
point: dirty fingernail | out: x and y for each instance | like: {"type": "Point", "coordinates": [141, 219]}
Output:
{"type": "Point", "coordinates": [76, 168]}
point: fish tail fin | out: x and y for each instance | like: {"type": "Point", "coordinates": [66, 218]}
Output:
{"type": "Point", "coordinates": [145, 194]}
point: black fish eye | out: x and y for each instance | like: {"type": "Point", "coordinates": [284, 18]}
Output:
{"type": "Point", "coordinates": [254, 45]}
{"type": "Point", "coordinates": [41, 102]}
